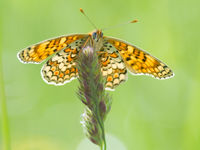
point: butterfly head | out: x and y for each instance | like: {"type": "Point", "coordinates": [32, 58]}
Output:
{"type": "Point", "coordinates": [97, 35]}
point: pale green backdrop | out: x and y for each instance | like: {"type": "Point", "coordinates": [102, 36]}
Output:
{"type": "Point", "coordinates": [147, 114]}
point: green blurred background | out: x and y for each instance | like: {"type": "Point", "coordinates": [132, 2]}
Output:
{"type": "Point", "coordinates": [147, 114]}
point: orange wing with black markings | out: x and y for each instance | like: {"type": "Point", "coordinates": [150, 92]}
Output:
{"type": "Point", "coordinates": [61, 68]}
{"type": "Point", "coordinates": [39, 52]}
{"type": "Point", "coordinates": [140, 62]}
{"type": "Point", "coordinates": [112, 67]}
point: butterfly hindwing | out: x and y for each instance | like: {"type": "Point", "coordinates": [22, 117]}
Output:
{"type": "Point", "coordinates": [112, 66]}
{"type": "Point", "coordinates": [61, 68]}
{"type": "Point", "coordinates": [39, 52]}
{"type": "Point", "coordinates": [140, 62]}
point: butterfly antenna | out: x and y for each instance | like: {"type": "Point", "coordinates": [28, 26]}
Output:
{"type": "Point", "coordinates": [118, 25]}
{"type": "Point", "coordinates": [81, 10]}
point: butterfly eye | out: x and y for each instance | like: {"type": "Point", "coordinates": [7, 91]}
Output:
{"type": "Point", "coordinates": [94, 35]}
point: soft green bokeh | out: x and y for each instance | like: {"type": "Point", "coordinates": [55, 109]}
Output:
{"type": "Point", "coordinates": [147, 114]}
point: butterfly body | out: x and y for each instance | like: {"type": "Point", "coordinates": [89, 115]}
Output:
{"type": "Point", "coordinates": [115, 57]}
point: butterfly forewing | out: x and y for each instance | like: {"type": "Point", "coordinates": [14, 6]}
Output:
{"type": "Point", "coordinates": [39, 52]}
{"type": "Point", "coordinates": [61, 68]}
{"type": "Point", "coordinates": [140, 62]}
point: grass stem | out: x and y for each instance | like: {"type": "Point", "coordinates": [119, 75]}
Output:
{"type": "Point", "coordinates": [5, 123]}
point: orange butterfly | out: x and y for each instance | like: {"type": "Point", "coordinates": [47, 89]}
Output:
{"type": "Point", "coordinates": [115, 56]}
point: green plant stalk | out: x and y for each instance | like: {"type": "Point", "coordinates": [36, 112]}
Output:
{"type": "Point", "coordinates": [103, 147]}
{"type": "Point", "coordinates": [5, 124]}
{"type": "Point", "coordinates": [101, 124]}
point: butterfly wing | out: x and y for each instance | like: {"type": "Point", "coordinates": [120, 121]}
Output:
{"type": "Point", "coordinates": [39, 52]}
{"type": "Point", "coordinates": [61, 68]}
{"type": "Point", "coordinates": [112, 66]}
{"type": "Point", "coordinates": [140, 62]}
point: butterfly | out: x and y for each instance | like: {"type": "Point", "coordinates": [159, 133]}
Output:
{"type": "Point", "coordinates": [115, 57]}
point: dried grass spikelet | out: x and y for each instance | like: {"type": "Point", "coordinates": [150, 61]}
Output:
{"type": "Point", "coordinates": [92, 93]}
